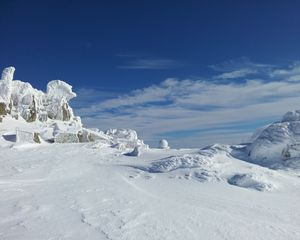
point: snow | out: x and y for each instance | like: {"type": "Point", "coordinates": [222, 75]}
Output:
{"type": "Point", "coordinates": [32, 104]}
{"type": "Point", "coordinates": [269, 145]}
{"type": "Point", "coordinates": [27, 137]}
{"type": "Point", "coordinates": [72, 191]}
{"type": "Point", "coordinates": [8, 74]}
{"type": "Point", "coordinates": [291, 116]}
{"type": "Point", "coordinates": [124, 138]}
{"type": "Point", "coordinates": [81, 183]}
{"type": "Point", "coordinates": [163, 144]}
{"type": "Point", "coordinates": [66, 138]}
{"type": "Point", "coordinates": [58, 89]}
{"type": "Point", "coordinates": [6, 84]}
{"type": "Point", "coordinates": [252, 180]}
{"type": "Point", "coordinates": [137, 151]}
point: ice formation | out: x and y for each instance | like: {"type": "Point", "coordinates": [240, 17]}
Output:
{"type": "Point", "coordinates": [124, 138]}
{"type": "Point", "coordinates": [163, 144]}
{"type": "Point", "coordinates": [51, 115]}
{"type": "Point", "coordinates": [21, 99]}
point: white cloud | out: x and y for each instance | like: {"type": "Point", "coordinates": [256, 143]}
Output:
{"type": "Point", "coordinates": [236, 73]}
{"type": "Point", "coordinates": [240, 68]}
{"type": "Point", "coordinates": [197, 112]}
{"type": "Point", "coordinates": [292, 73]}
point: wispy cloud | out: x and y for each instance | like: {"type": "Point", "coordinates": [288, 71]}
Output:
{"type": "Point", "coordinates": [131, 61]}
{"type": "Point", "coordinates": [292, 73]}
{"type": "Point", "coordinates": [240, 68]}
{"type": "Point", "coordinates": [236, 73]}
{"type": "Point", "coordinates": [199, 112]}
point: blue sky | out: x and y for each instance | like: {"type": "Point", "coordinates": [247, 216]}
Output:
{"type": "Point", "coordinates": [195, 72]}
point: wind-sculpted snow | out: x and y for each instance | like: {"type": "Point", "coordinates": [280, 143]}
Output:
{"type": "Point", "coordinates": [291, 116]}
{"type": "Point", "coordinates": [269, 147]}
{"type": "Point", "coordinates": [204, 158]}
{"type": "Point", "coordinates": [216, 163]}
{"type": "Point", "coordinates": [252, 181]}
{"type": "Point", "coordinates": [75, 192]}
{"type": "Point", "coordinates": [184, 161]}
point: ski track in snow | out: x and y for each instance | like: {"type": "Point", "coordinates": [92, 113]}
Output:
{"type": "Point", "coordinates": [71, 191]}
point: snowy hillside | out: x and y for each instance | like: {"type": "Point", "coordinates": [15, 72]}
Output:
{"type": "Point", "coordinates": [59, 180]}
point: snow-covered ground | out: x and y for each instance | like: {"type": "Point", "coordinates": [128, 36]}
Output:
{"type": "Point", "coordinates": [79, 191]}
{"type": "Point", "coordinates": [59, 180]}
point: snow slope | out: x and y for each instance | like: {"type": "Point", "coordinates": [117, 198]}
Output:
{"type": "Point", "coordinates": [76, 191]}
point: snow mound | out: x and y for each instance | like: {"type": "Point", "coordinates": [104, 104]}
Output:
{"type": "Point", "coordinates": [205, 158]}
{"type": "Point", "coordinates": [253, 181]}
{"type": "Point", "coordinates": [124, 138]}
{"type": "Point", "coordinates": [175, 162]}
{"type": "Point", "coordinates": [207, 175]}
{"type": "Point", "coordinates": [291, 116]}
{"type": "Point", "coordinates": [271, 145]}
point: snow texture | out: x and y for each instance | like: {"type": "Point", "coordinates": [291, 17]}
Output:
{"type": "Point", "coordinates": [269, 146]}
{"type": "Point", "coordinates": [66, 138]}
{"type": "Point", "coordinates": [70, 191]}
{"type": "Point", "coordinates": [27, 137]}
{"type": "Point", "coordinates": [251, 180]}
{"type": "Point", "coordinates": [6, 84]}
{"type": "Point", "coordinates": [124, 138]}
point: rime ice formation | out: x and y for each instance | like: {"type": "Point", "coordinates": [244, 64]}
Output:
{"type": "Point", "coordinates": [124, 138]}
{"type": "Point", "coordinates": [8, 74]}
{"type": "Point", "coordinates": [163, 144]}
{"type": "Point", "coordinates": [5, 90]}
{"type": "Point", "coordinates": [51, 116]}
{"type": "Point", "coordinates": [21, 99]}
{"type": "Point", "coordinates": [6, 84]}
